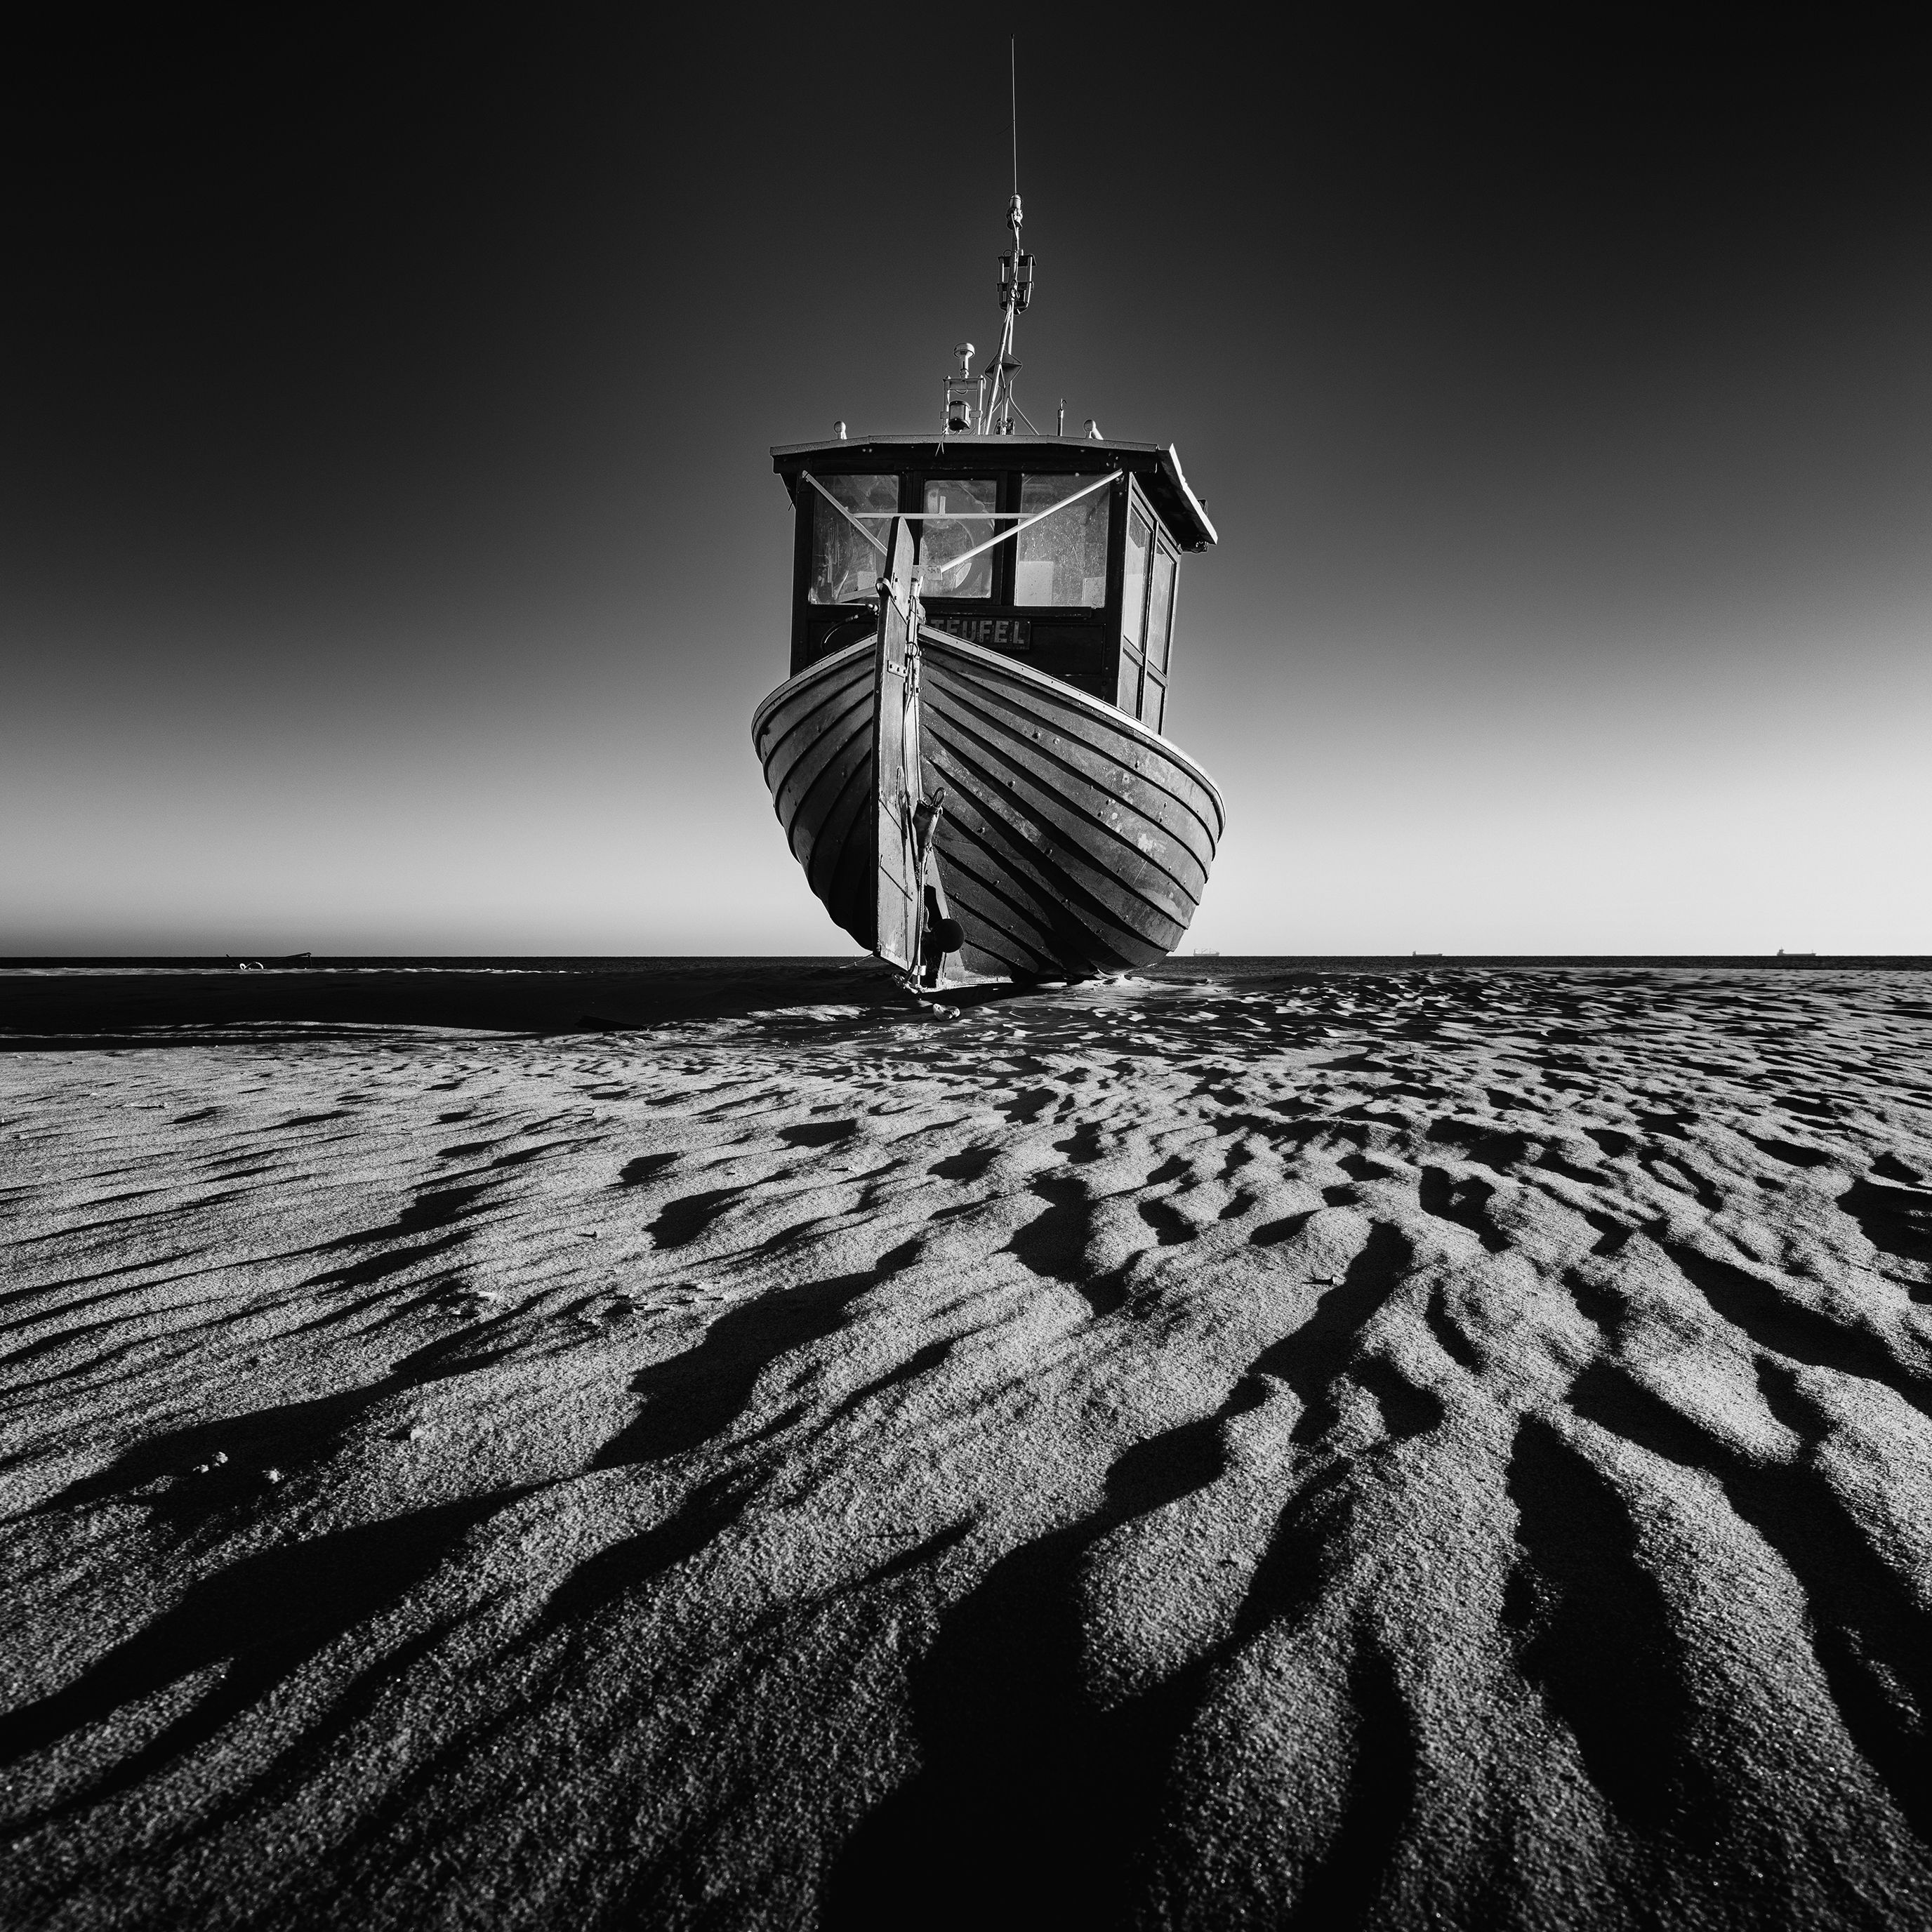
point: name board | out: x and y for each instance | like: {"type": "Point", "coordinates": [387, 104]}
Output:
{"type": "Point", "coordinates": [1001, 634]}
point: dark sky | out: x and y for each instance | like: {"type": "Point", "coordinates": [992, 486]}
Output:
{"type": "Point", "coordinates": [390, 559]}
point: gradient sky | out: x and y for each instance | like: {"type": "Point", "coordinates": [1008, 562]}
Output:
{"type": "Point", "coordinates": [390, 559]}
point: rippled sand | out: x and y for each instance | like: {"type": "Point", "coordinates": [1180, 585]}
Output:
{"type": "Point", "coordinates": [1391, 1449]}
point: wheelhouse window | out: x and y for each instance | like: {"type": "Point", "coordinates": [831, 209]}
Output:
{"type": "Point", "coordinates": [972, 500]}
{"type": "Point", "coordinates": [1063, 560]}
{"type": "Point", "coordinates": [1159, 632]}
{"type": "Point", "coordinates": [1147, 619]}
{"type": "Point", "coordinates": [845, 564]}
{"type": "Point", "coordinates": [1160, 609]}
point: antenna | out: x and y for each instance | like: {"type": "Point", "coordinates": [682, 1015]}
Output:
{"type": "Point", "coordinates": [1013, 92]}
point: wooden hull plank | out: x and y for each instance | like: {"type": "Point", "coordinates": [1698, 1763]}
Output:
{"type": "Point", "coordinates": [1044, 852]}
{"type": "Point", "coordinates": [1082, 720]}
{"type": "Point", "coordinates": [1126, 843]}
{"type": "Point", "coordinates": [1134, 806]}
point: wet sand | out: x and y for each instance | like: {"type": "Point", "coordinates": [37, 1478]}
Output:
{"type": "Point", "coordinates": [1247, 1447]}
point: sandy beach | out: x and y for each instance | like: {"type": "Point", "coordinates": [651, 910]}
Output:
{"type": "Point", "coordinates": [1243, 1446]}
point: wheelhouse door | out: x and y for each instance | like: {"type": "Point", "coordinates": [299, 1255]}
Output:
{"type": "Point", "coordinates": [1148, 579]}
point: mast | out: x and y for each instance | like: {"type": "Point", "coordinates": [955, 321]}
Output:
{"type": "Point", "coordinates": [1015, 289]}
{"type": "Point", "coordinates": [1016, 292]}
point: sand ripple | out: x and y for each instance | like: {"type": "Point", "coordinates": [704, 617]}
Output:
{"type": "Point", "coordinates": [1372, 1450]}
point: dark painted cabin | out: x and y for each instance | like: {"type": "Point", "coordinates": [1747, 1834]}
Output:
{"type": "Point", "coordinates": [1087, 596]}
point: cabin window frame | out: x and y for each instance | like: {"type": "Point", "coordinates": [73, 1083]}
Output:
{"type": "Point", "coordinates": [914, 481]}
{"type": "Point", "coordinates": [912, 487]}
{"type": "Point", "coordinates": [1076, 480]}
{"type": "Point", "coordinates": [819, 630]}
{"type": "Point", "coordinates": [815, 507]}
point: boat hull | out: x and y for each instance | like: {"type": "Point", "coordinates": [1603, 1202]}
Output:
{"type": "Point", "coordinates": [1073, 841]}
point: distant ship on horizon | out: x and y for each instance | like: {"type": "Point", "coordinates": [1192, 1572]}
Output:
{"type": "Point", "coordinates": [968, 757]}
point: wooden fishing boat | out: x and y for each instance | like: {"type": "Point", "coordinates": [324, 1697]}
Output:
{"type": "Point", "coordinates": [969, 758]}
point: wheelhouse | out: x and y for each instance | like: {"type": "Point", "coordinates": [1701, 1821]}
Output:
{"type": "Point", "coordinates": [1085, 591]}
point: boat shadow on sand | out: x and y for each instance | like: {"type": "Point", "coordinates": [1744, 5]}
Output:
{"type": "Point", "coordinates": [189, 1006]}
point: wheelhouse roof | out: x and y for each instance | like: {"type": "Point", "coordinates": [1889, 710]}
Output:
{"type": "Point", "coordinates": [1158, 466]}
